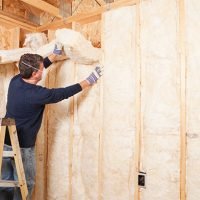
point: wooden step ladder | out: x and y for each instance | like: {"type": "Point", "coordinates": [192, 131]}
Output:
{"type": "Point", "coordinates": [10, 123]}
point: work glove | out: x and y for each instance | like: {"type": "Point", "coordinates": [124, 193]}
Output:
{"type": "Point", "coordinates": [57, 48]}
{"type": "Point", "coordinates": [95, 75]}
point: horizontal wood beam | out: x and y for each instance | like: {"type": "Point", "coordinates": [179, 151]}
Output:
{"type": "Point", "coordinates": [1, 4]}
{"type": "Point", "coordinates": [90, 19]}
{"type": "Point", "coordinates": [6, 24]}
{"type": "Point", "coordinates": [42, 5]}
{"type": "Point", "coordinates": [16, 22]}
{"type": "Point", "coordinates": [87, 17]}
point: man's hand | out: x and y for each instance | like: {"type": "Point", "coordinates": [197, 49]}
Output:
{"type": "Point", "coordinates": [95, 75]}
{"type": "Point", "coordinates": [57, 49]}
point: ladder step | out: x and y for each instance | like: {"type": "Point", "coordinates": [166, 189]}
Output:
{"type": "Point", "coordinates": [6, 183]}
{"type": "Point", "coordinates": [8, 154]}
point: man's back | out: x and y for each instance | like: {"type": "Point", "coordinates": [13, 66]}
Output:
{"type": "Point", "coordinates": [26, 103]}
{"type": "Point", "coordinates": [21, 107]}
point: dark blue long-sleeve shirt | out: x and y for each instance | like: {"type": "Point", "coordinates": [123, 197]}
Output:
{"type": "Point", "coordinates": [26, 103]}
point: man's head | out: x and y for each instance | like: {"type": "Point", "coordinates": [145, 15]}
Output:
{"type": "Point", "coordinates": [31, 66]}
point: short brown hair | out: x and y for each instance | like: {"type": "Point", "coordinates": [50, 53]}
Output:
{"type": "Point", "coordinates": [29, 63]}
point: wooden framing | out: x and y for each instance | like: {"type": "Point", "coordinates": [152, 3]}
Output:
{"type": "Point", "coordinates": [137, 104]}
{"type": "Point", "coordinates": [41, 157]}
{"type": "Point", "coordinates": [83, 18]}
{"type": "Point", "coordinates": [15, 39]}
{"type": "Point", "coordinates": [101, 143]}
{"type": "Point", "coordinates": [95, 15]}
{"type": "Point", "coordinates": [72, 111]}
{"type": "Point", "coordinates": [16, 22]}
{"type": "Point", "coordinates": [182, 50]}
{"type": "Point", "coordinates": [1, 4]}
{"type": "Point", "coordinates": [65, 8]}
{"type": "Point", "coordinates": [101, 131]}
{"type": "Point", "coordinates": [86, 18]}
{"type": "Point", "coordinates": [6, 23]}
{"type": "Point", "coordinates": [42, 5]}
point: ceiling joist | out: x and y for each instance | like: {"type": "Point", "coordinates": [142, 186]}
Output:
{"type": "Point", "coordinates": [83, 18]}
{"type": "Point", "coordinates": [88, 17]}
{"type": "Point", "coordinates": [42, 5]}
{"type": "Point", "coordinates": [17, 22]}
{"type": "Point", "coordinates": [1, 4]}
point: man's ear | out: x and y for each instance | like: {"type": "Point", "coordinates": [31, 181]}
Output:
{"type": "Point", "coordinates": [34, 73]}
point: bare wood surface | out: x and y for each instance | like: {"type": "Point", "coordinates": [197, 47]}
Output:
{"type": "Point", "coordinates": [2, 138]}
{"type": "Point", "coordinates": [183, 66]}
{"type": "Point", "coordinates": [7, 122]}
{"type": "Point", "coordinates": [87, 17]}
{"type": "Point", "coordinates": [42, 5]}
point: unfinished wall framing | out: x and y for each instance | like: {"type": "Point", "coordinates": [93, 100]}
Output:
{"type": "Point", "coordinates": [143, 115]}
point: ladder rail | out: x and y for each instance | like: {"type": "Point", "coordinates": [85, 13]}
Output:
{"type": "Point", "coordinates": [18, 160]}
{"type": "Point", "coordinates": [16, 153]}
{"type": "Point", "coordinates": [2, 138]}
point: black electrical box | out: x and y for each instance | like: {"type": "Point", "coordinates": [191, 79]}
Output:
{"type": "Point", "coordinates": [142, 179]}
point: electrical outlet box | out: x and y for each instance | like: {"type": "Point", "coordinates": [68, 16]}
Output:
{"type": "Point", "coordinates": [142, 179]}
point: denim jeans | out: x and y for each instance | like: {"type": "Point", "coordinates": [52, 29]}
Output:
{"type": "Point", "coordinates": [9, 172]}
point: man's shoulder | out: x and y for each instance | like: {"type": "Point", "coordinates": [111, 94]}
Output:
{"type": "Point", "coordinates": [18, 76]}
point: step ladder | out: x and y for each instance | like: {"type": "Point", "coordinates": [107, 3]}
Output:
{"type": "Point", "coordinates": [15, 153]}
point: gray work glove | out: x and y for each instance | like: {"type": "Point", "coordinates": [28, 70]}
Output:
{"type": "Point", "coordinates": [95, 75]}
{"type": "Point", "coordinates": [57, 48]}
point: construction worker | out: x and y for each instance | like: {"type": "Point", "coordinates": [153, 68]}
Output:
{"type": "Point", "coordinates": [26, 103]}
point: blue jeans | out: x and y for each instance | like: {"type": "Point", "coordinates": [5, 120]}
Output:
{"type": "Point", "coordinates": [9, 172]}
